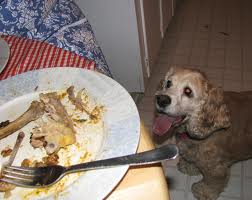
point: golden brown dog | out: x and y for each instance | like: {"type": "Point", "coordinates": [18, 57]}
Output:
{"type": "Point", "coordinates": [218, 125]}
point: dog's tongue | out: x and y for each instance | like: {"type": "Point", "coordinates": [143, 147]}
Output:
{"type": "Point", "coordinates": [162, 124]}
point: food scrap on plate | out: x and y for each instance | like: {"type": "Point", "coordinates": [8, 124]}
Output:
{"type": "Point", "coordinates": [64, 127]}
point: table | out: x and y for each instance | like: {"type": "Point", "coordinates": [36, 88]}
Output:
{"type": "Point", "coordinates": [142, 183]}
{"type": "Point", "coordinates": [139, 182]}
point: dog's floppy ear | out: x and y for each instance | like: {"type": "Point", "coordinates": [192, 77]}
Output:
{"type": "Point", "coordinates": [213, 115]}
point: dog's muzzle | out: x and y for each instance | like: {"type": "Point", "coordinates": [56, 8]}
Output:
{"type": "Point", "coordinates": [163, 100]}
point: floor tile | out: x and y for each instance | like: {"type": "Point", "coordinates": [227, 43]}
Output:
{"type": "Point", "coordinates": [236, 169]}
{"type": "Point", "coordinates": [247, 192]}
{"type": "Point", "coordinates": [198, 60]}
{"type": "Point", "coordinates": [177, 195]}
{"type": "Point", "coordinates": [247, 168]}
{"type": "Point", "coordinates": [233, 58]}
{"type": "Point", "coordinates": [233, 188]}
{"type": "Point", "coordinates": [194, 179]}
{"type": "Point", "coordinates": [247, 76]}
{"type": "Point", "coordinates": [216, 57]}
{"type": "Point", "coordinates": [217, 43]}
{"type": "Point", "coordinates": [190, 196]}
{"type": "Point", "coordinates": [181, 59]}
{"type": "Point", "coordinates": [165, 57]}
{"type": "Point", "coordinates": [232, 74]}
{"type": "Point", "coordinates": [247, 85]}
{"type": "Point", "coordinates": [228, 198]}
{"type": "Point", "coordinates": [180, 51]}
{"type": "Point", "coordinates": [229, 85]}
{"type": "Point", "coordinates": [175, 179]}
{"type": "Point", "coordinates": [147, 104]}
{"type": "Point", "coordinates": [214, 73]}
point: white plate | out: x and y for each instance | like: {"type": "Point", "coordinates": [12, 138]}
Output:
{"type": "Point", "coordinates": [121, 120]}
{"type": "Point", "coordinates": [4, 54]}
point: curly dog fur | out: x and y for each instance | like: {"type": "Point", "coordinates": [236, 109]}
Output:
{"type": "Point", "coordinates": [218, 124]}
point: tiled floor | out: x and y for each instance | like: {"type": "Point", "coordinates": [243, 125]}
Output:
{"type": "Point", "coordinates": [216, 37]}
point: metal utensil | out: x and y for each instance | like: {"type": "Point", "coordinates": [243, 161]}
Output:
{"type": "Point", "coordinates": [46, 176]}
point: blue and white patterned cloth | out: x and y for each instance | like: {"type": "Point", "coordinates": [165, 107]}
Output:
{"type": "Point", "coordinates": [58, 22]}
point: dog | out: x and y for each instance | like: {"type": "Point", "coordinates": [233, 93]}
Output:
{"type": "Point", "coordinates": [217, 124]}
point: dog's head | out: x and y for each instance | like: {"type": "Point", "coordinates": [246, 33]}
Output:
{"type": "Point", "coordinates": [186, 97]}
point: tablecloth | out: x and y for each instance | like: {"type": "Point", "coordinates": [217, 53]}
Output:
{"type": "Point", "coordinates": [27, 55]}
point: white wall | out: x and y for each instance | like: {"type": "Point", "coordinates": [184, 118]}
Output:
{"type": "Point", "coordinates": [115, 26]}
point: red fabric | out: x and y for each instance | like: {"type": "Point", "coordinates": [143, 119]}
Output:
{"type": "Point", "coordinates": [27, 55]}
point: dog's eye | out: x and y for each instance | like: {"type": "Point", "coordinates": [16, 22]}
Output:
{"type": "Point", "coordinates": [188, 92]}
{"type": "Point", "coordinates": [168, 84]}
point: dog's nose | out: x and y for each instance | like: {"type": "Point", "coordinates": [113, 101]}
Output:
{"type": "Point", "coordinates": [163, 100]}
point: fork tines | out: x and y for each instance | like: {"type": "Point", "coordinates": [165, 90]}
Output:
{"type": "Point", "coordinates": [21, 176]}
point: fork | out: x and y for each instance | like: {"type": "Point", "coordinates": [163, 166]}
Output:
{"type": "Point", "coordinates": [36, 177]}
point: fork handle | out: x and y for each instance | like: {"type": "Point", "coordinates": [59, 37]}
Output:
{"type": "Point", "coordinates": [169, 151]}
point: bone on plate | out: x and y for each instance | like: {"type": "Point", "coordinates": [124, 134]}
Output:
{"type": "Point", "coordinates": [59, 123]}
